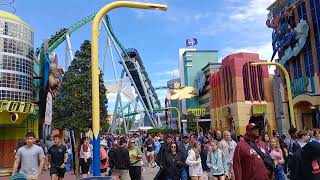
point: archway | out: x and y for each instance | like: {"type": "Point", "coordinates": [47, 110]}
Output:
{"type": "Point", "coordinates": [306, 115]}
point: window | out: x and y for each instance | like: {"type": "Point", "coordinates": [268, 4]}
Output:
{"type": "Point", "coordinates": [253, 82]}
{"type": "Point", "coordinates": [296, 67]}
{"type": "Point", "coordinates": [302, 10]}
{"type": "Point", "coordinates": [246, 82]}
{"type": "Point", "coordinates": [315, 14]}
{"type": "Point", "coordinates": [308, 60]}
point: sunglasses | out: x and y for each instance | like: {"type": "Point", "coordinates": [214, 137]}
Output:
{"type": "Point", "coordinates": [173, 146]}
{"type": "Point", "coordinates": [132, 142]}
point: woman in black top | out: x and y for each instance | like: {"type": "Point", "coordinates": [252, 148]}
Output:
{"type": "Point", "coordinates": [173, 162]}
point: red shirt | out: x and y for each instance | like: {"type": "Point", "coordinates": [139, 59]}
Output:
{"type": "Point", "coordinates": [247, 164]}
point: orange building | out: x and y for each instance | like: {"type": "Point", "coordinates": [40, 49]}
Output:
{"type": "Point", "coordinates": [238, 91]}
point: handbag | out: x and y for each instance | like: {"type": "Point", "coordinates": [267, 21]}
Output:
{"type": "Point", "coordinates": [268, 161]}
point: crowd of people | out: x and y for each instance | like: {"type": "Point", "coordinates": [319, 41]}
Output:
{"type": "Point", "coordinates": [212, 155]}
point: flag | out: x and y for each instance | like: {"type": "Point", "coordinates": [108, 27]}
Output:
{"type": "Point", "coordinates": [191, 42]}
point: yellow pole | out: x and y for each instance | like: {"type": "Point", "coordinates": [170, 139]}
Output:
{"type": "Point", "coordinates": [287, 78]}
{"type": "Point", "coordinates": [179, 116]}
{"type": "Point", "coordinates": [95, 64]}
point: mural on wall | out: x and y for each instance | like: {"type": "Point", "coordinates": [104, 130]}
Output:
{"type": "Point", "coordinates": [52, 74]}
{"type": "Point", "coordinates": [286, 39]}
{"type": "Point", "coordinates": [200, 82]}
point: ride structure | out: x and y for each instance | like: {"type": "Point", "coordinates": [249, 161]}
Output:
{"type": "Point", "coordinates": [132, 68]}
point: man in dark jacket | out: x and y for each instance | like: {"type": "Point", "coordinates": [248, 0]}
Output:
{"type": "Point", "coordinates": [184, 147]}
{"type": "Point", "coordinates": [161, 158]}
{"type": "Point", "coordinates": [121, 159]}
{"type": "Point", "coordinates": [247, 164]}
{"type": "Point", "coordinates": [203, 154]}
{"type": "Point", "coordinates": [306, 164]}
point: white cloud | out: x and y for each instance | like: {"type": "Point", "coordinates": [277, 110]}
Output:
{"type": "Point", "coordinates": [264, 50]}
{"type": "Point", "coordinates": [251, 10]}
{"type": "Point", "coordinates": [173, 73]}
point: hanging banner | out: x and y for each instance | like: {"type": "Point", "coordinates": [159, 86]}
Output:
{"type": "Point", "coordinates": [48, 115]}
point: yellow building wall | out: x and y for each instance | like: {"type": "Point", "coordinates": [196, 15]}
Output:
{"type": "Point", "coordinates": [18, 132]}
{"type": "Point", "coordinates": [241, 112]}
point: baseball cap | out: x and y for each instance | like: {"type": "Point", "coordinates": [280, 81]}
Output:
{"type": "Point", "coordinates": [251, 126]}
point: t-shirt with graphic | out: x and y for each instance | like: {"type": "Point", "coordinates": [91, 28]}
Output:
{"type": "Point", "coordinates": [247, 164]}
{"type": "Point", "coordinates": [57, 153]}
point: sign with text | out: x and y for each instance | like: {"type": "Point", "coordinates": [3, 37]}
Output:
{"type": "Point", "coordinates": [258, 109]}
{"type": "Point", "coordinates": [197, 111]}
{"type": "Point", "coordinates": [17, 106]}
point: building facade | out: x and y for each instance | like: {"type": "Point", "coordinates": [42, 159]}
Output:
{"type": "Point", "coordinates": [16, 85]}
{"type": "Point", "coordinates": [238, 91]}
{"type": "Point", "coordinates": [302, 63]}
{"type": "Point", "coordinates": [203, 87]}
{"type": "Point", "coordinates": [190, 62]}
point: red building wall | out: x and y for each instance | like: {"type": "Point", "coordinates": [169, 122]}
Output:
{"type": "Point", "coordinates": [227, 84]}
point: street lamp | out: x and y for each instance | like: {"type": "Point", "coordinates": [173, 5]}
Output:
{"type": "Point", "coordinates": [287, 78]}
{"type": "Point", "coordinates": [95, 70]}
{"type": "Point", "coordinates": [179, 116]}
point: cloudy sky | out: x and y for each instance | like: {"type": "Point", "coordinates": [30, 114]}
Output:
{"type": "Point", "coordinates": [224, 25]}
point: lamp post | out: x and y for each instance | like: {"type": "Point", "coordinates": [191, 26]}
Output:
{"type": "Point", "coordinates": [95, 70]}
{"type": "Point", "coordinates": [179, 116]}
{"type": "Point", "coordinates": [287, 78]}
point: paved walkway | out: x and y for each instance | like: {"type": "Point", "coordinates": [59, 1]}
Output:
{"type": "Point", "coordinates": [147, 174]}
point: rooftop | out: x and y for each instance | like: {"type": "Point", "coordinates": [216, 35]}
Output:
{"type": "Point", "coordinates": [12, 17]}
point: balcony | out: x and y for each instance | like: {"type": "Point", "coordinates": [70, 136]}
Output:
{"type": "Point", "coordinates": [299, 86]}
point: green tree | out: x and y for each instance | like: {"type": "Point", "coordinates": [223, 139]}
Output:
{"type": "Point", "coordinates": [72, 107]}
{"type": "Point", "coordinates": [191, 123]}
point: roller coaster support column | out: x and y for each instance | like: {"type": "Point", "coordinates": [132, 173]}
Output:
{"type": "Point", "coordinates": [288, 83]}
{"type": "Point", "coordinates": [95, 70]}
{"type": "Point", "coordinates": [69, 50]}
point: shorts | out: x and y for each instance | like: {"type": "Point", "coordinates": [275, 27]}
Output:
{"type": "Point", "coordinates": [85, 165]}
{"type": "Point", "coordinates": [218, 175]}
{"type": "Point", "coordinates": [57, 171]}
{"type": "Point", "coordinates": [150, 153]}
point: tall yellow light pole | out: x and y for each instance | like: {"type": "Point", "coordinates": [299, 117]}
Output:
{"type": "Point", "coordinates": [179, 116]}
{"type": "Point", "coordinates": [95, 70]}
{"type": "Point", "coordinates": [288, 83]}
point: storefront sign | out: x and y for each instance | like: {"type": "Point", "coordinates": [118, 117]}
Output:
{"type": "Point", "coordinates": [259, 109]}
{"type": "Point", "coordinates": [16, 106]}
{"type": "Point", "coordinates": [299, 86]}
{"type": "Point", "coordinates": [197, 112]}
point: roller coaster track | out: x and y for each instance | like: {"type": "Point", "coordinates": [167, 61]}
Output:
{"type": "Point", "coordinates": [60, 35]}
{"type": "Point", "coordinates": [139, 73]}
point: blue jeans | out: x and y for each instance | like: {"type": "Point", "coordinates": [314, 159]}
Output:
{"type": "Point", "coordinates": [184, 173]}
{"type": "Point", "coordinates": [169, 178]}
{"type": "Point", "coordinates": [279, 173]}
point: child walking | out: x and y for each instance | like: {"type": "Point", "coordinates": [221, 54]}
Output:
{"type": "Point", "coordinates": [217, 162]}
